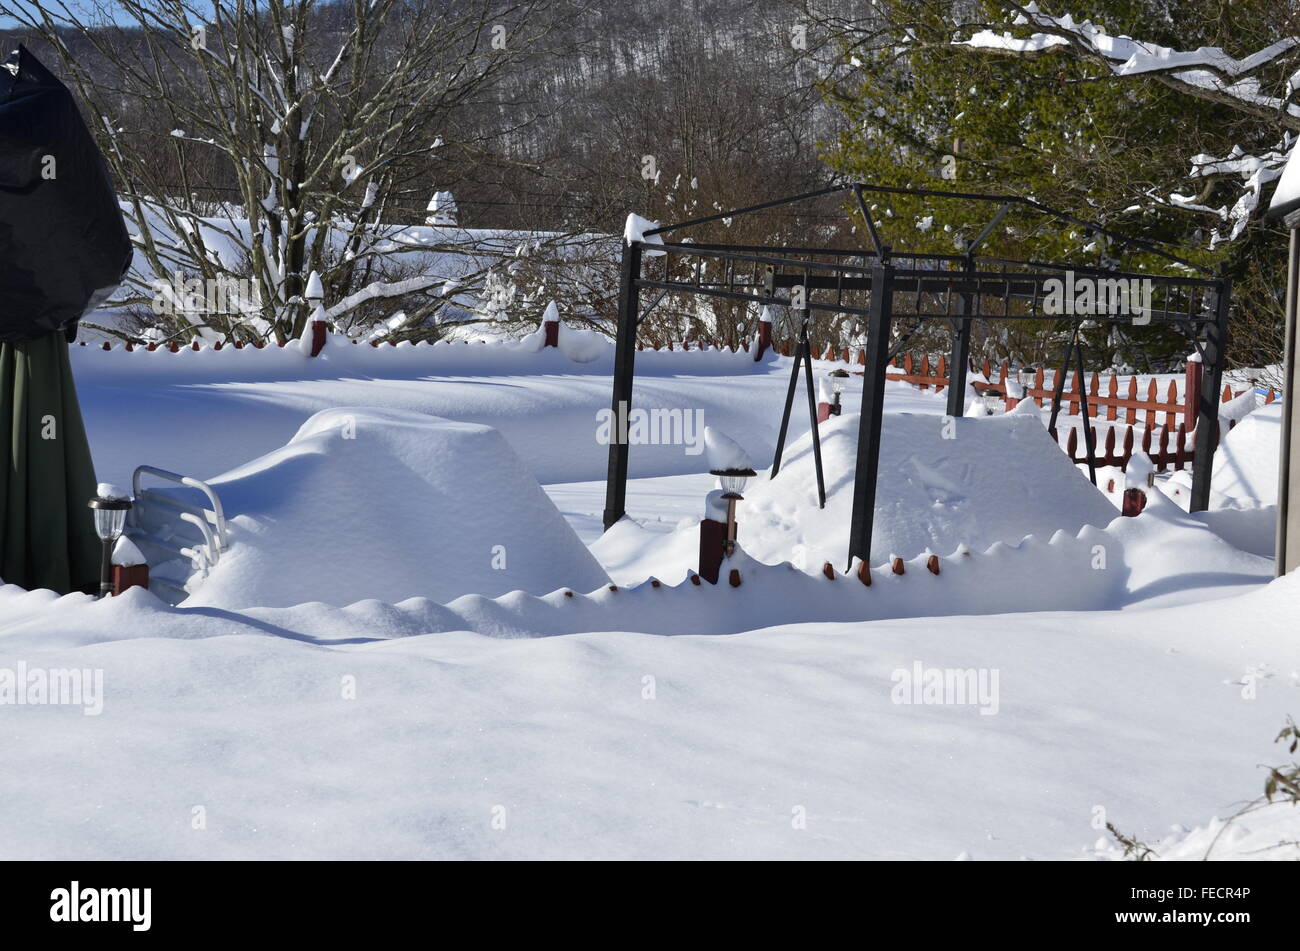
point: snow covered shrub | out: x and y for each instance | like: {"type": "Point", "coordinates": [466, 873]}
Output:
{"type": "Point", "coordinates": [283, 139]}
{"type": "Point", "coordinates": [1284, 781]}
{"type": "Point", "coordinates": [1281, 788]}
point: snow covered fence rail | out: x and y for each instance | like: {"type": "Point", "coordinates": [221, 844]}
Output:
{"type": "Point", "coordinates": [580, 344]}
{"type": "Point", "coordinates": [751, 594]}
{"type": "Point", "coordinates": [990, 582]}
{"type": "Point", "coordinates": [968, 583]}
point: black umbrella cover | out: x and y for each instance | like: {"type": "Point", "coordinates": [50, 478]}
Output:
{"type": "Point", "coordinates": [63, 245]}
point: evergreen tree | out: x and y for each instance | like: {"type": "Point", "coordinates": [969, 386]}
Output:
{"type": "Point", "coordinates": [925, 110]}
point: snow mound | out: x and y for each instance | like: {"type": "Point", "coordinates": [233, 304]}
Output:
{"type": "Point", "coordinates": [723, 452]}
{"type": "Point", "coordinates": [581, 345]}
{"type": "Point", "coordinates": [389, 504]}
{"type": "Point", "coordinates": [943, 482]}
{"type": "Point", "coordinates": [1246, 462]}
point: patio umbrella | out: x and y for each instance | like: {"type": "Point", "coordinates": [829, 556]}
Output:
{"type": "Point", "coordinates": [63, 251]}
{"type": "Point", "coordinates": [48, 535]}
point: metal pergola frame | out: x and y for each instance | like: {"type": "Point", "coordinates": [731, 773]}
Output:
{"type": "Point", "coordinates": [957, 288]}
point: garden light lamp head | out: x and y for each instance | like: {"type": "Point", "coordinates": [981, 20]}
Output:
{"type": "Point", "coordinates": [733, 480]}
{"type": "Point", "coordinates": [109, 507]}
{"type": "Point", "coordinates": [839, 377]}
{"type": "Point", "coordinates": [110, 516]}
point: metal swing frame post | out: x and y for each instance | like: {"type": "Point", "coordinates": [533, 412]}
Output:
{"type": "Point", "coordinates": [1074, 352]}
{"type": "Point", "coordinates": [1207, 414]}
{"type": "Point", "coordinates": [1089, 436]}
{"type": "Point", "coordinates": [867, 465]}
{"type": "Point", "coordinates": [624, 370]}
{"type": "Point", "coordinates": [1058, 387]}
{"type": "Point", "coordinates": [756, 273]}
{"type": "Point", "coordinates": [802, 355]}
{"type": "Point", "coordinates": [960, 349]}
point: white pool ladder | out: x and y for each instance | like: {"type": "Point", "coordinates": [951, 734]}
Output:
{"type": "Point", "coordinates": [156, 522]}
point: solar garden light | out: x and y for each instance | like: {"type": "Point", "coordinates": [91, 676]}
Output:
{"type": "Point", "coordinates": [839, 376]}
{"type": "Point", "coordinates": [732, 467]}
{"type": "Point", "coordinates": [733, 483]}
{"type": "Point", "coordinates": [110, 506]}
{"type": "Point", "coordinates": [992, 398]}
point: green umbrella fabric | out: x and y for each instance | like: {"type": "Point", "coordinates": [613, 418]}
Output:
{"type": "Point", "coordinates": [47, 535]}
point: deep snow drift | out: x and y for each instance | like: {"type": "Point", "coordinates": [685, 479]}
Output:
{"type": "Point", "coordinates": [365, 503]}
{"type": "Point", "coordinates": [209, 408]}
{"type": "Point", "coordinates": [942, 483]}
{"type": "Point", "coordinates": [1246, 462]}
{"type": "Point", "coordinates": [963, 485]}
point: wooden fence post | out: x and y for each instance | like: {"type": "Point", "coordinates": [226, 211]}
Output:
{"type": "Point", "coordinates": [316, 322]}
{"type": "Point", "coordinates": [713, 539]}
{"type": "Point", "coordinates": [551, 326]}
{"type": "Point", "coordinates": [764, 334]}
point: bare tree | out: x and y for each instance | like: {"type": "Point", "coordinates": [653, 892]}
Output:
{"type": "Point", "coordinates": [311, 118]}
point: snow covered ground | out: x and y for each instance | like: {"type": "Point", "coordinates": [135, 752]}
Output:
{"type": "Point", "coordinates": [615, 744]}
{"type": "Point", "coordinates": [384, 699]}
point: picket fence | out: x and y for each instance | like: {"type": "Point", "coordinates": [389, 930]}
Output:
{"type": "Point", "coordinates": [1169, 441]}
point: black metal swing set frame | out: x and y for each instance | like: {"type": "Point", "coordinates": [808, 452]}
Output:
{"type": "Point", "coordinates": [903, 286]}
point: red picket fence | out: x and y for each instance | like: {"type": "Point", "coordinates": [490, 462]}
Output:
{"type": "Point", "coordinates": [1158, 448]}
{"type": "Point", "coordinates": [1162, 426]}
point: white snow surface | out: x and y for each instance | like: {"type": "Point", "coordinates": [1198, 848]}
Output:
{"type": "Point", "coordinates": [126, 553]}
{"type": "Point", "coordinates": [352, 707]}
{"type": "Point", "coordinates": [942, 483]}
{"type": "Point", "coordinates": [364, 503]}
{"type": "Point", "coordinates": [1246, 463]}
{"type": "Point", "coordinates": [723, 452]}
{"type": "Point", "coordinates": [210, 409]}
{"type": "Point", "coordinates": [635, 228]}
{"type": "Point", "coordinates": [582, 345]}
{"type": "Point", "coordinates": [712, 756]}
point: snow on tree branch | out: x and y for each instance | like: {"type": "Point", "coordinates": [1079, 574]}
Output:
{"type": "Point", "coordinates": [1207, 73]}
{"type": "Point", "coordinates": [1255, 172]}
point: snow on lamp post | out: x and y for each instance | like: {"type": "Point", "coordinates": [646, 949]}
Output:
{"type": "Point", "coordinates": [733, 469]}
{"type": "Point", "coordinates": [828, 406]}
{"type": "Point", "coordinates": [109, 506]}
